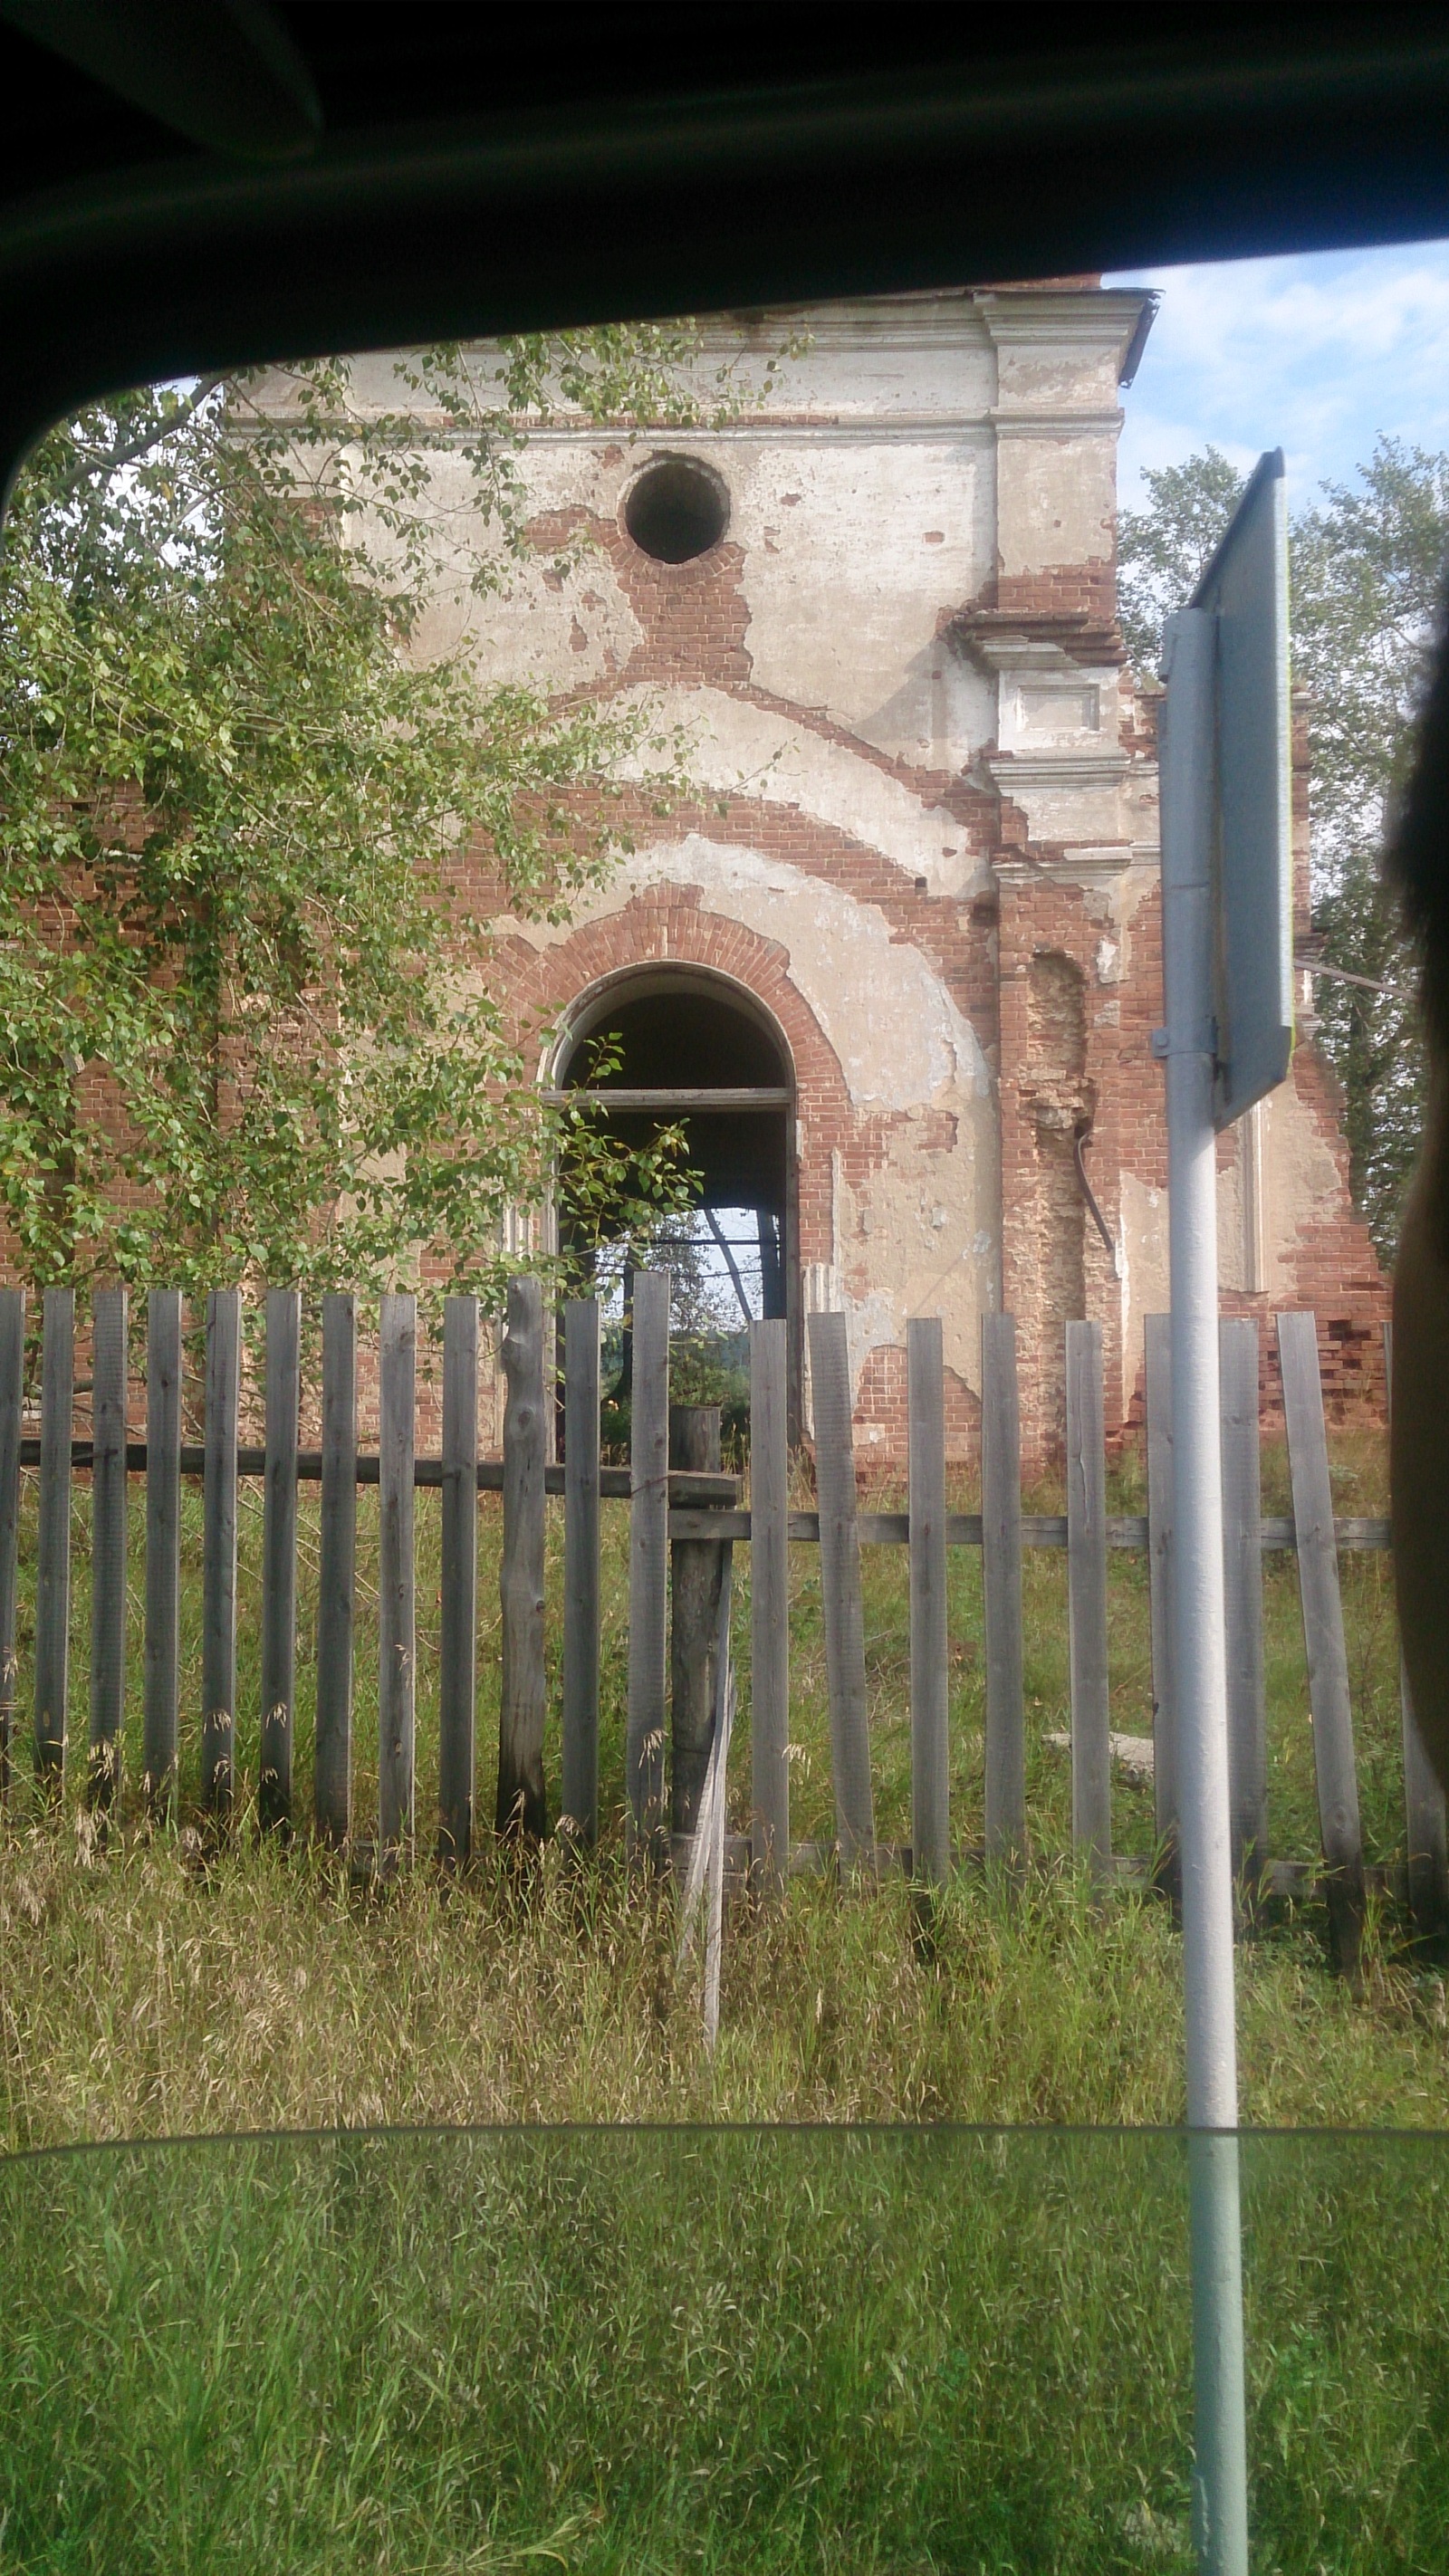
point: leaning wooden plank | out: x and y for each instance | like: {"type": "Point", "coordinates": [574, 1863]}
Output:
{"type": "Point", "coordinates": [930, 1713]}
{"type": "Point", "coordinates": [397, 1609]}
{"type": "Point", "coordinates": [1001, 1589]}
{"type": "Point", "coordinates": [458, 1642]}
{"type": "Point", "coordinates": [1087, 1597]}
{"type": "Point", "coordinates": [718, 1813]}
{"type": "Point", "coordinates": [337, 1551]}
{"type": "Point", "coordinates": [840, 1590]}
{"type": "Point", "coordinates": [219, 1533]}
{"type": "Point", "coordinates": [52, 1553]}
{"type": "Point", "coordinates": [580, 1751]}
{"type": "Point", "coordinates": [769, 1606]}
{"type": "Point", "coordinates": [279, 1556]}
{"type": "Point", "coordinates": [161, 1694]}
{"type": "Point", "coordinates": [12, 1406]}
{"type": "Point", "coordinates": [108, 1542]}
{"type": "Point", "coordinates": [1323, 1638]}
{"type": "Point", "coordinates": [523, 1693]}
{"type": "Point", "coordinates": [648, 1564]}
{"type": "Point", "coordinates": [1424, 1816]}
{"type": "Point", "coordinates": [695, 1573]}
{"type": "Point", "coordinates": [1243, 1596]}
{"type": "Point", "coordinates": [1160, 1512]}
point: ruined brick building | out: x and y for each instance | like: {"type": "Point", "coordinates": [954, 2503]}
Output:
{"type": "Point", "coordinates": [917, 910]}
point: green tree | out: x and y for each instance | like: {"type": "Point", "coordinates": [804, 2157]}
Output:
{"type": "Point", "coordinates": [248, 1023]}
{"type": "Point", "coordinates": [1368, 564]}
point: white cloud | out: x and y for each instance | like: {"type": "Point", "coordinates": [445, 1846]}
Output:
{"type": "Point", "coordinates": [1318, 354]}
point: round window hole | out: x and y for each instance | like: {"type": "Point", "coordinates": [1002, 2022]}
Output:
{"type": "Point", "coordinates": [676, 510]}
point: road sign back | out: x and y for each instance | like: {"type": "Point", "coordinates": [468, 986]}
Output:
{"type": "Point", "coordinates": [1245, 591]}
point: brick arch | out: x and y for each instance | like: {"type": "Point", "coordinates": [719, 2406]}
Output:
{"type": "Point", "coordinates": [668, 925]}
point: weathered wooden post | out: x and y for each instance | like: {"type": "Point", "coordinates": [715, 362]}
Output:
{"type": "Point", "coordinates": [522, 1800]}
{"type": "Point", "coordinates": [108, 1542]}
{"type": "Point", "coordinates": [1323, 1638]}
{"type": "Point", "coordinates": [219, 1531]}
{"type": "Point", "coordinates": [930, 1692]}
{"type": "Point", "coordinates": [52, 1552]}
{"type": "Point", "coordinates": [648, 1562]}
{"type": "Point", "coordinates": [336, 1561]}
{"type": "Point", "coordinates": [397, 1608]}
{"type": "Point", "coordinates": [1001, 1590]}
{"type": "Point", "coordinates": [162, 1665]}
{"type": "Point", "coordinates": [581, 1569]}
{"type": "Point", "coordinates": [279, 1556]}
{"type": "Point", "coordinates": [695, 1570]}
{"type": "Point", "coordinates": [1087, 1598]}
{"type": "Point", "coordinates": [1160, 1514]}
{"type": "Point", "coordinates": [12, 1406]}
{"type": "Point", "coordinates": [769, 1605]}
{"type": "Point", "coordinates": [840, 1591]}
{"type": "Point", "coordinates": [457, 1674]}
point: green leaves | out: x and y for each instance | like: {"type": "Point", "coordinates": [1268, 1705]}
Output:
{"type": "Point", "coordinates": [1368, 572]}
{"type": "Point", "coordinates": [248, 1014]}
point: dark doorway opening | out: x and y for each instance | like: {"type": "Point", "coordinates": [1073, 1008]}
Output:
{"type": "Point", "coordinates": [695, 1052]}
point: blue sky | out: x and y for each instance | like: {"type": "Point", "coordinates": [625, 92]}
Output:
{"type": "Point", "coordinates": [1315, 354]}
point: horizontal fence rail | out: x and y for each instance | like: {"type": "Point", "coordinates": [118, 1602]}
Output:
{"type": "Point", "coordinates": [684, 1520]}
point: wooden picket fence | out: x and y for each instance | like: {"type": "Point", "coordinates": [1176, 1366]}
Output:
{"type": "Point", "coordinates": [680, 1510]}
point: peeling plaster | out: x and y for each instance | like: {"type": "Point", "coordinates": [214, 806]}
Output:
{"type": "Point", "coordinates": [898, 1036]}
{"type": "Point", "coordinates": [738, 748]}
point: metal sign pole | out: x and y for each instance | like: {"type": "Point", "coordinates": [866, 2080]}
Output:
{"type": "Point", "coordinates": [1189, 807]}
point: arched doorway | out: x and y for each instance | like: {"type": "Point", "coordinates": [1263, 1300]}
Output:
{"type": "Point", "coordinates": [689, 1047]}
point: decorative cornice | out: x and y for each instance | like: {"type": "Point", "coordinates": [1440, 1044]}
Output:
{"type": "Point", "coordinates": [1011, 648]}
{"type": "Point", "coordinates": [999, 638]}
{"type": "Point", "coordinates": [1009, 770]}
{"type": "Point", "coordinates": [1107, 318]}
{"type": "Point", "coordinates": [1092, 863]}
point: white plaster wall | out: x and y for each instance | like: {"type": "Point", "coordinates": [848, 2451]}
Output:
{"type": "Point", "coordinates": [926, 1224]}
{"type": "Point", "coordinates": [1056, 496]}
{"type": "Point", "coordinates": [735, 747]}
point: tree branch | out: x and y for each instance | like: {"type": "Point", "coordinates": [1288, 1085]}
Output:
{"type": "Point", "coordinates": [130, 449]}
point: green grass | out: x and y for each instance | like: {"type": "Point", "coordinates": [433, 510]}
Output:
{"type": "Point", "coordinates": [653, 2351]}
{"type": "Point", "coordinates": [904, 2349]}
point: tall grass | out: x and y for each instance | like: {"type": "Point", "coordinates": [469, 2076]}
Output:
{"type": "Point", "coordinates": [647, 2352]}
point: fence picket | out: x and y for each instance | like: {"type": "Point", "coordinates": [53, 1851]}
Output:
{"type": "Point", "coordinates": [648, 1560]}
{"type": "Point", "coordinates": [1323, 1637]}
{"type": "Point", "coordinates": [1424, 1810]}
{"type": "Point", "coordinates": [1160, 1519]}
{"type": "Point", "coordinates": [52, 1558]}
{"type": "Point", "coordinates": [12, 1407]}
{"type": "Point", "coordinates": [1243, 1596]}
{"type": "Point", "coordinates": [695, 1572]}
{"type": "Point", "coordinates": [840, 1590]}
{"type": "Point", "coordinates": [219, 1535]}
{"type": "Point", "coordinates": [1087, 1596]}
{"type": "Point", "coordinates": [580, 1750]}
{"type": "Point", "coordinates": [930, 1709]}
{"type": "Point", "coordinates": [523, 1697]}
{"type": "Point", "coordinates": [279, 1556]}
{"type": "Point", "coordinates": [769, 1605]}
{"type": "Point", "coordinates": [397, 1611]}
{"type": "Point", "coordinates": [108, 1542]}
{"type": "Point", "coordinates": [336, 1573]}
{"type": "Point", "coordinates": [1001, 1589]}
{"type": "Point", "coordinates": [162, 1685]}
{"type": "Point", "coordinates": [458, 1610]}
{"type": "Point", "coordinates": [706, 1517]}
